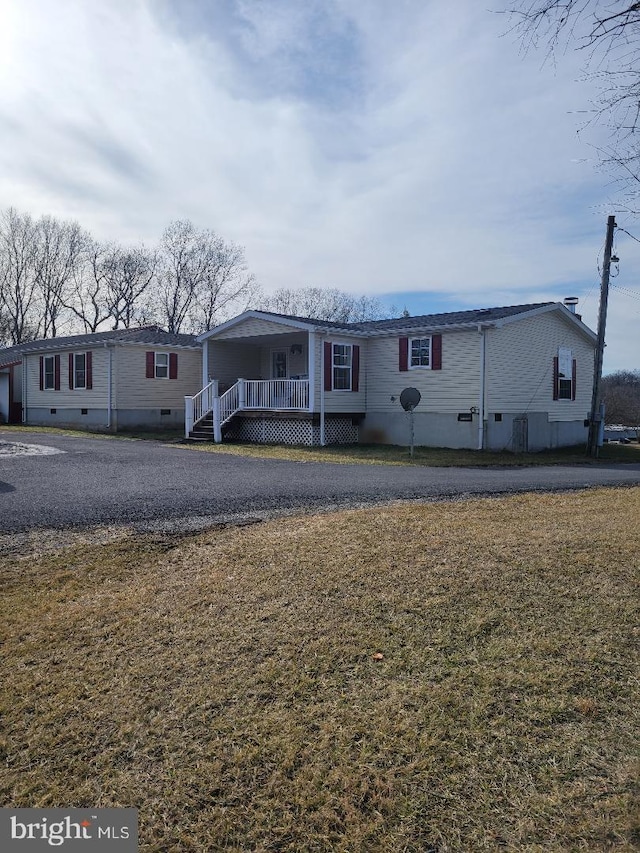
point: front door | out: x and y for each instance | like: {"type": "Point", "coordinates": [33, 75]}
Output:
{"type": "Point", "coordinates": [279, 364]}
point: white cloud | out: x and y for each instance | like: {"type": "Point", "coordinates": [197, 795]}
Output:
{"type": "Point", "coordinates": [371, 147]}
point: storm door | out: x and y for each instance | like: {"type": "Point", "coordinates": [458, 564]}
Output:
{"type": "Point", "coordinates": [279, 364]}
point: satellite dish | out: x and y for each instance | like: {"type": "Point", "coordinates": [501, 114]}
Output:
{"type": "Point", "coordinates": [409, 399]}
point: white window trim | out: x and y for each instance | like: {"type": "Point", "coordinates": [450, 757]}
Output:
{"type": "Point", "coordinates": [75, 384]}
{"type": "Point", "coordinates": [51, 387]}
{"type": "Point", "coordinates": [564, 353]}
{"type": "Point", "coordinates": [163, 366]}
{"type": "Point", "coordinates": [420, 366]}
{"type": "Point", "coordinates": [348, 367]}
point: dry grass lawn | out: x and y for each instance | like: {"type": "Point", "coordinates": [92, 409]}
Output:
{"type": "Point", "coordinates": [363, 454]}
{"type": "Point", "coordinates": [226, 684]}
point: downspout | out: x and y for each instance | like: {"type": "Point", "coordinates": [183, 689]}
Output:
{"type": "Point", "coordinates": [23, 364]}
{"type": "Point", "coordinates": [483, 360]}
{"type": "Point", "coordinates": [109, 380]}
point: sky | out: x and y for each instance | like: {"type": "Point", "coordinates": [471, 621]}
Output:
{"type": "Point", "coordinates": [409, 150]}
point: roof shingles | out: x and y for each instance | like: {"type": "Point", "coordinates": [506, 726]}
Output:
{"type": "Point", "coordinates": [152, 335]}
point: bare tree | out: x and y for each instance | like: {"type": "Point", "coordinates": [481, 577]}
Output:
{"type": "Point", "coordinates": [621, 396]}
{"type": "Point", "coordinates": [199, 278]}
{"type": "Point", "coordinates": [607, 32]}
{"type": "Point", "coordinates": [324, 304]}
{"type": "Point", "coordinates": [126, 275]}
{"type": "Point", "coordinates": [59, 253]}
{"type": "Point", "coordinates": [229, 285]}
{"type": "Point", "coordinates": [18, 286]}
{"type": "Point", "coordinates": [87, 298]}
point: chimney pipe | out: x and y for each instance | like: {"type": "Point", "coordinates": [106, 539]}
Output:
{"type": "Point", "coordinates": [570, 302]}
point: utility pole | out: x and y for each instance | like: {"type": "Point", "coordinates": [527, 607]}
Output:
{"type": "Point", "coordinates": [594, 419]}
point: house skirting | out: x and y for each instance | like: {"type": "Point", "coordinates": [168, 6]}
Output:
{"type": "Point", "coordinates": [97, 418]}
{"type": "Point", "coordinates": [510, 431]}
{"type": "Point", "coordinates": [295, 428]}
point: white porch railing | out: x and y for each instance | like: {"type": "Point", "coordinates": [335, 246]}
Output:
{"type": "Point", "coordinates": [199, 406]}
{"type": "Point", "coordinates": [276, 394]}
{"type": "Point", "coordinates": [230, 403]}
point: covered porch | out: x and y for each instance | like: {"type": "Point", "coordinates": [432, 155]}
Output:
{"type": "Point", "coordinates": [268, 378]}
{"type": "Point", "coordinates": [261, 368]}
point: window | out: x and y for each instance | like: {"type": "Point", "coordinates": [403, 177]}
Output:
{"type": "Point", "coordinates": [564, 379]}
{"type": "Point", "coordinates": [79, 370]}
{"type": "Point", "coordinates": [416, 353]}
{"type": "Point", "coordinates": [162, 365]}
{"type": "Point", "coordinates": [564, 389]}
{"type": "Point", "coordinates": [342, 360]}
{"type": "Point", "coordinates": [420, 352]}
{"type": "Point", "coordinates": [49, 373]}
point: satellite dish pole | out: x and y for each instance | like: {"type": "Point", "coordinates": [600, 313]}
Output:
{"type": "Point", "coordinates": [409, 399]}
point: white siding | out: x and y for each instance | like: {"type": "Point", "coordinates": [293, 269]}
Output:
{"type": "Point", "coordinates": [252, 327]}
{"type": "Point", "coordinates": [454, 388]}
{"type": "Point", "coordinates": [135, 391]}
{"type": "Point", "coordinates": [520, 367]}
{"type": "Point", "coordinates": [67, 398]}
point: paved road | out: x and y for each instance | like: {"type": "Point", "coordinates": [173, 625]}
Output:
{"type": "Point", "coordinates": [96, 481]}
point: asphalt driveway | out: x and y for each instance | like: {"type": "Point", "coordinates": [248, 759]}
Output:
{"type": "Point", "coordinates": [110, 480]}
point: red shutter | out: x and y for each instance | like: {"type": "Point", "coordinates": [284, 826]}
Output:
{"type": "Point", "coordinates": [42, 373]}
{"type": "Point", "coordinates": [328, 384]}
{"type": "Point", "coordinates": [173, 365]}
{"type": "Point", "coordinates": [355, 368]}
{"type": "Point", "coordinates": [556, 377]}
{"type": "Point", "coordinates": [56, 372]}
{"type": "Point", "coordinates": [151, 365]}
{"type": "Point", "coordinates": [403, 354]}
{"type": "Point", "coordinates": [71, 370]}
{"type": "Point", "coordinates": [89, 368]}
{"type": "Point", "coordinates": [573, 379]}
{"type": "Point", "coordinates": [436, 352]}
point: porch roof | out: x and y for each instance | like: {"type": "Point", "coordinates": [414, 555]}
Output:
{"type": "Point", "coordinates": [304, 324]}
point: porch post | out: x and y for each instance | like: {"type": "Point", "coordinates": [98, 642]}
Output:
{"type": "Point", "coordinates": [311, 371]}
{"type": "Point", "coordinates": [217, 428]}
{"type": "Point", "coordinates": [241, 394]}
{"type": "Point", "coordinates": [322, 401]}
{"type": "Point", "coordinates": [205, 363]}
{"type": "Point", "coordinates": [188, 416]}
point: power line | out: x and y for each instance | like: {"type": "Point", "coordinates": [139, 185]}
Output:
{"type": "Point", "coordinates": [624, 231]}
{"type": "Point", "coordinates": [634, 294]}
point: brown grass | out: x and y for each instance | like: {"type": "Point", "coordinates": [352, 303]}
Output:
{"type": "Point", "coordinates": [226, 684]}
{"type": "Point", "coordinates": [378, 454]}
{"type": "Point", "coordinates": [366, 454]}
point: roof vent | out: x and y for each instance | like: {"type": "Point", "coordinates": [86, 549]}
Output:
{"type": "Point", "coordinates": [571, 302]}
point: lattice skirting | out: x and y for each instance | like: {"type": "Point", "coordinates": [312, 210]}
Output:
{"type": "Point", "coordinates": [292, 431]}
